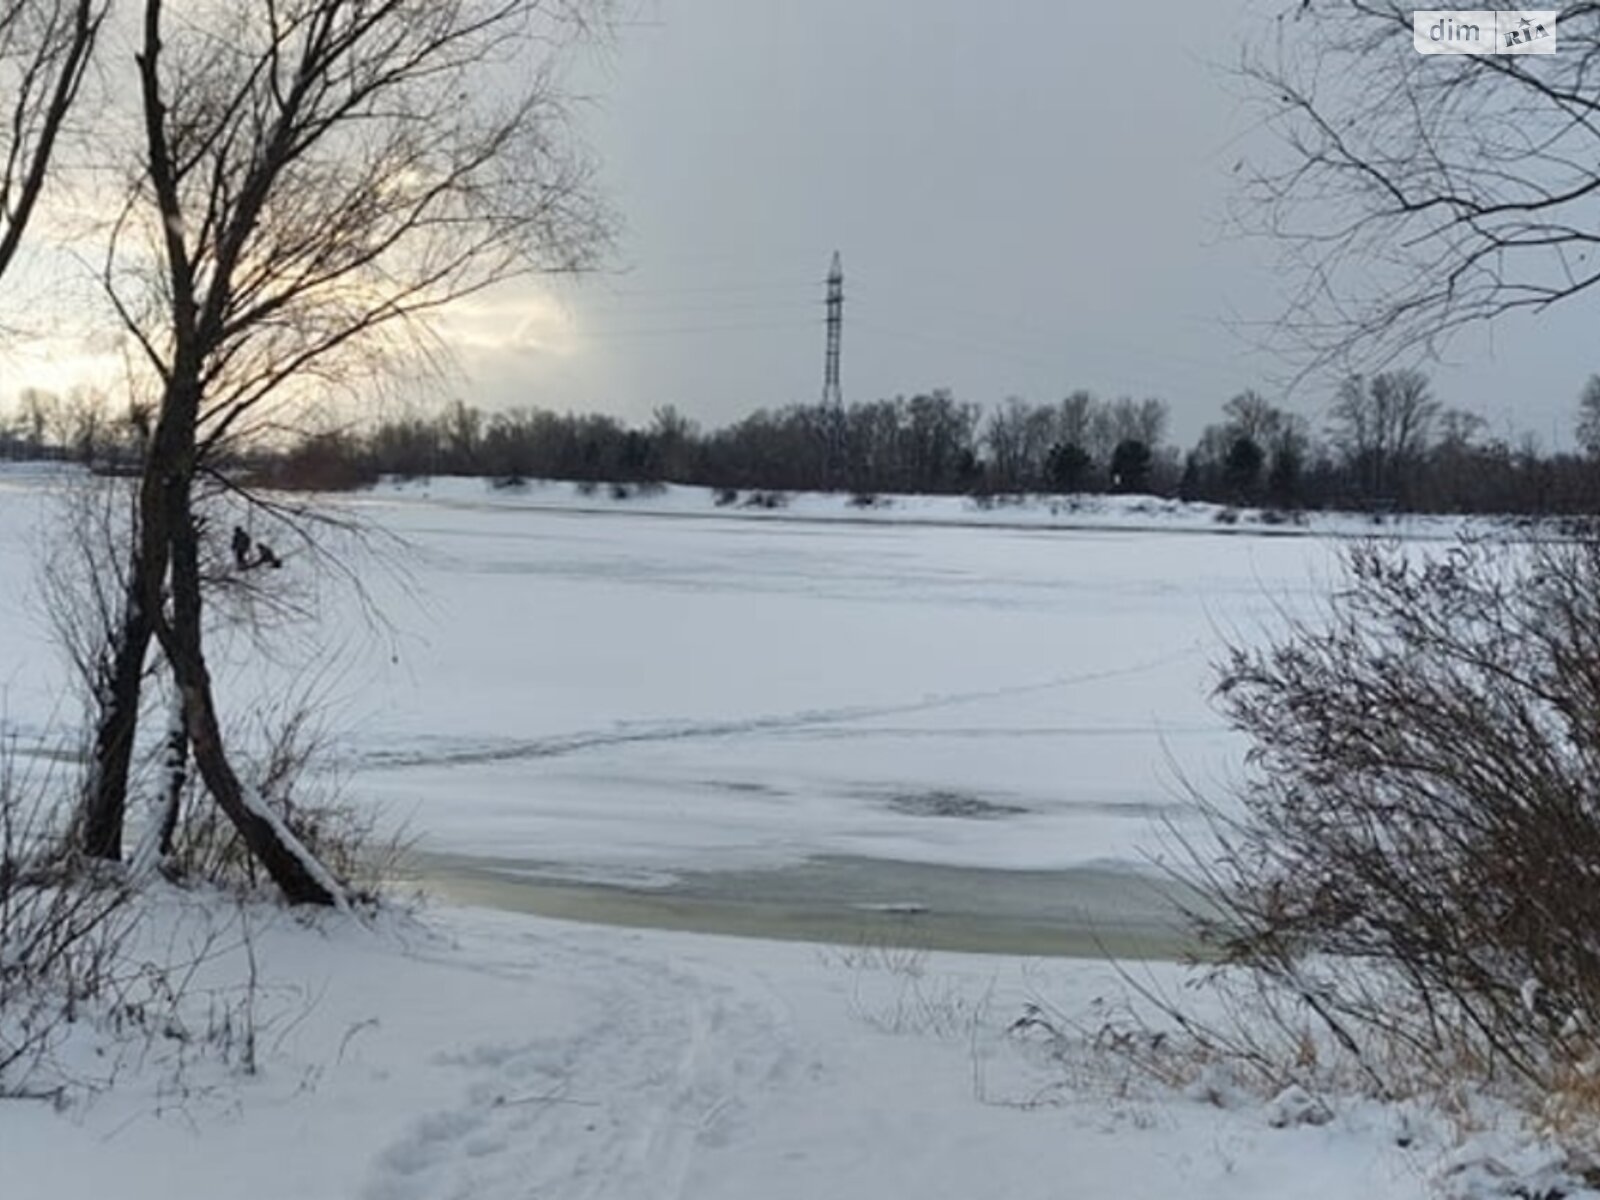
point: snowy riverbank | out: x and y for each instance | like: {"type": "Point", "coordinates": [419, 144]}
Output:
{"type": "Point", "coordinates": [468, 1054]}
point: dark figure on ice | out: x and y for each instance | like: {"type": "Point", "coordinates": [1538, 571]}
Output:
{"type": "Point", "coordinates": [242, 544]}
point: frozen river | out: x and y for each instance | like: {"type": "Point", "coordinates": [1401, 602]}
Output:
{"type": "Point", "coordinates": [617, 705]}
{"type": "Point", "coordinates": [973, 736]}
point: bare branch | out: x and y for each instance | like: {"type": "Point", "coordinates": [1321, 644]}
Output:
{"type": "Point", "coordinates": [1413, 196]}
{"type": "Point", "coordinates": [45, 51]}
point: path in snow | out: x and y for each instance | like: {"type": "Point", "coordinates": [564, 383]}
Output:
{"type": "Point", "coordinates": [724, 1070]}
{"type": "Point", "coordinates": [665, 1064]}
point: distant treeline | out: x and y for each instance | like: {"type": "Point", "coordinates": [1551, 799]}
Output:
{"type": "Point", "coordinates": [1387, 443]}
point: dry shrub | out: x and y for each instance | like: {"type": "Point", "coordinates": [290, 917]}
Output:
{"type": "Point", "coordinates": [1417, 856]}
{"type": "Point", "coordinates": [62, 928]}
{"type": "Point", "coordinates": [345, 838]}
{"type": "Point", "coordinates": [893, 991]}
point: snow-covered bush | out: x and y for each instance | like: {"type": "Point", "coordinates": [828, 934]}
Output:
{"type": "Point", "coordinates": [1418, 852]}
{"type": "Point", "coordinates": [767, 500]}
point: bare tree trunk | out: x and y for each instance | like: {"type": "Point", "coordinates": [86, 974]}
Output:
{"type": "Point", "coordinates": [176, 774]}
{"type": "Point", "coordinates": [298, 875]}
{"type": "Point", "coordinates": [119, 687]}
{"type": "Point", "coordinates": [155, 845]}
{"type": "Point", "coordinates": [168, 543]}
{"type": "Point", "coordinates": [117, 694]}
{"type": "Point", "coordinates": [301, 878]}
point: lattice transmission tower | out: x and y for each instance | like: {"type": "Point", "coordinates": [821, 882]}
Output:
{"type": "Point", "coordinates": [831, 392]}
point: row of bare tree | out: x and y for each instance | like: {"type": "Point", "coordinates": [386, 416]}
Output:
{"type": "Point", "coordinates": [1387, 443]}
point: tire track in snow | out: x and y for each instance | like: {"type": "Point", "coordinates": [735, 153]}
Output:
{"type": "Point", "coordinates": [675, 731]}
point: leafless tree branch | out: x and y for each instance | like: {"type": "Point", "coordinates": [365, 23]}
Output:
{"type": "Point", "coordinates": [45, 50]}
{"type": "Point", "coordinates": [1413, 196]}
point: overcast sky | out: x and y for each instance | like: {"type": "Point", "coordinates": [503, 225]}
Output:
{"type": "Point", "coordinates": [1026, 203]}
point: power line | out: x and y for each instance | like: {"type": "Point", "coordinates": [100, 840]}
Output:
{"type": "Point", "coordinates": [663, 331]}
{"type": "Point", "coordinates": [1006, 329]}
{"type": "Point", "coordinates": [1059, 362]}
{"type": "Point", "coordinates": [723, 308]}
{"type": "Point", "coordinates": [794, 285]}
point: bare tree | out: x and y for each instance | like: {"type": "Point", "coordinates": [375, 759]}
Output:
{"type": "Point", "coordinates": [1107, 425]}
{"type": "Point", "coordinates": [1459, 430]}
{"type": "Point", "coordinates": [37, 414]}
{"type": "Point", "coordinates": [316, 177]}
{"type": "Point", "coordinates": [1414, 195]}
{"type": "Point", "coordinates": [1251, 415]}
{"type": "Point", "coordinates": [1102, 433]}
{"type": "Point", "coordinates": [1383, 425]}
{"type": "Point", "coordinates": [1072, 420]}
{"type": "Point", "coordinates": [45, 50]}
{"type": "Point", "coordinates": [1142, 421]}
{"type": "Point", "coordinates": [86, 423]}
{"type": "Point", "coordinates": [1588, 427]}
{"type": "Point", "coordinates": [1019, 436]}
{"type": "Point", "coordinates": [937, 434]}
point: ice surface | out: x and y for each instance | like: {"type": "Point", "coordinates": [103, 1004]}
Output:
{"type": "Point", "coordinates": [677, 687]}
{"type": "Point", "coordinates": [660, 684]}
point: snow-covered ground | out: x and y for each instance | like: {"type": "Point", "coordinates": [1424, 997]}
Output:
{"type": "Point", "coordinates": [658, 690]}
{"type": "Point", "coordinates": [481, 1056]}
